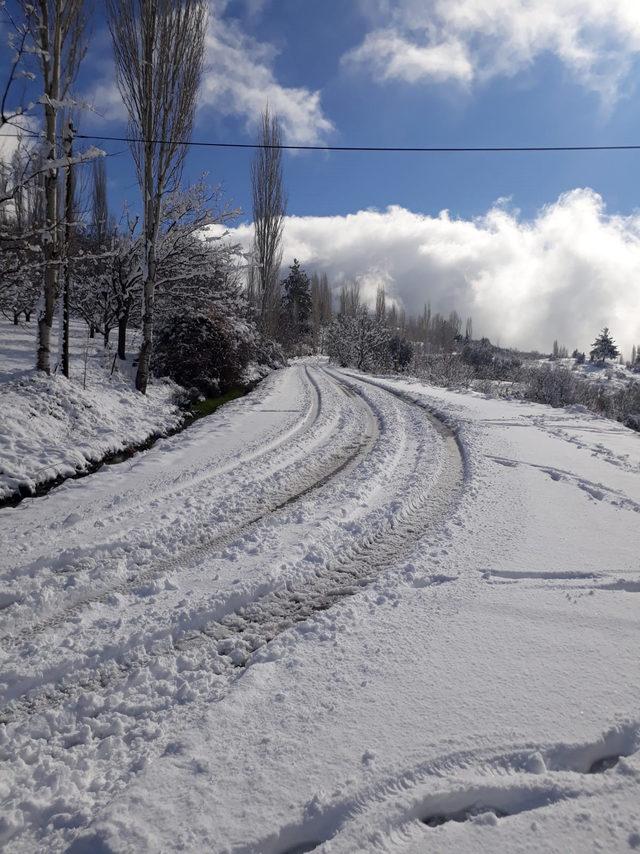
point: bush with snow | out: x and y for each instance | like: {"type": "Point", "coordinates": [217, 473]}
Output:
{"type": "Point", "coordinates": [359, 341]}
{"type": "Point", "coordinates": [203, 352]}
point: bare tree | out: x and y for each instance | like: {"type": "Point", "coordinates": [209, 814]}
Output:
{"type": "Point", "coordinates": [21, 223]}
{"type": "Point", "coordinates": [269, 208]}
{"type": "Point", "coordinates": [159, 48]}
{"type": "Point", "coordinates": [69, 208]}
{"type": "Point", "coordinates": [18, 32]}
{"type": "Point", "coordinates": [468, 330]}
{"type": "Point", "coordinates": [252, 287]}
{"type": "Point", "coordinates": [349, 299]}
{"type": "Point", "coordinates": [57, 32]}
{"type": "Point", "coordinates": [381, 304]}
{"type": "Point", "coordinates": [320, 308]}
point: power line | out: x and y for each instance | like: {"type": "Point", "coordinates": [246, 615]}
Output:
{"type": "Point", "coordinates": [422, 149]}
{"type": "Point", "coordinates": [371, 148]}
{"type": "Point", "coordinates": [39, 135]}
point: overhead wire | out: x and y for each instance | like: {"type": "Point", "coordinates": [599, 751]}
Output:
{"type": "Point", "coordinates": [427, 149]}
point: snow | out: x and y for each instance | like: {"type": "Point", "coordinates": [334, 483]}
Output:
{"type": "Point", "coordinates": [610, 375]}
{"type": "Point", "coordinates": [51, 427]}
{"type": "Point", "coordinates": [350, 612]}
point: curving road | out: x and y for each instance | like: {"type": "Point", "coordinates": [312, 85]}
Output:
{"type": "Point", "coordinates": [132, 598]}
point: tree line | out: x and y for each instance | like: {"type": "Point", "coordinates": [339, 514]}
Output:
{"type": "Point", "coordinates": [63, 251]}
{"type": "Point", "coordinates": [165, 271]}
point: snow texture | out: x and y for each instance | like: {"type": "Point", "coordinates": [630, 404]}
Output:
{"type": "Point", "coordinates": [344, 613]}
{"type": "Point", "coordinates": [51, 427]}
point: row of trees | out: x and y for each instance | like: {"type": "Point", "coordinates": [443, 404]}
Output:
{"type": "Point", "coordinates": [47, 39]}
{"type": "Point", "coordinates": [61, 247]}
{"type": "Point", "coordinates": [305, 317]}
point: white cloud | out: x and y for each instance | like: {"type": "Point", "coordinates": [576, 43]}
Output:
{"type": "Point", "coordinates": [564, 274]}
{"type": "Point", "coordinates": [239, 80]}
{"type": "Point", "coordinates": [477, 39]}
{"type": "Point", "coordinates": [12, 138]}
{"type": "Point", "coordinates": [393, 56]}
{"type": "Point", "coordinates": [104, 102]}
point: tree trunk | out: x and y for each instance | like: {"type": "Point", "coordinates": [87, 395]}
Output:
{"type": "Point", "coordinates": [144, 360]}
{"type": "Point", "coordinates": [65, 326]}
{"type": "Point", "coordinates": [68, 216]}
{"type": "Point", "coordinates": [45, 320]}
{"type": "Point", "coordinates": [16, 317]}
{"type": "Point", "coordinates": [122, 336]}
{"type": "Point", "coordinates": [52, 90]}
{"type": "Point", "coordinates": [92, 331]}
{"type": "Point", "coordinates": [151, 211]}
{"type": "Point", "coordinates": [105, 336]}
{"type": "Point", "coordinates": [27, 317]}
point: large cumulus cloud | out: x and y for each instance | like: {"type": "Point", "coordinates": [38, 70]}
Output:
{"type": "Point", "coordinates": [473, 40]}
{"type": "Point", "coordinates": [565, 273]}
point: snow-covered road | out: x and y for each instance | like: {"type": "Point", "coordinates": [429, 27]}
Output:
{"type": "Point", "coordinates": [339, 612]}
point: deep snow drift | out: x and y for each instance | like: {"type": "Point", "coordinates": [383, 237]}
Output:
{"type": "Point", "coordinates": [345, 613]}
{"type": "Point", "coordinates": [52, 427]}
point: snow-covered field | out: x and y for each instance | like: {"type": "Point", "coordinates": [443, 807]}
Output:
{"type": "Point", "coordinates": [610, 375]}
{"type": "Point", "coordinates": [51, 427]}
{"type": "Point", "coordinates": [344, 613]}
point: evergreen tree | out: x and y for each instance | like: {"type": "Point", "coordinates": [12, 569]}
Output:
{"type": "Point", "coordinates": [296, 307]}
{"type": "Point", "coordinates": [603, 347]}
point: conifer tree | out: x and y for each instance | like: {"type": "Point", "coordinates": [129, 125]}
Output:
{"type": "Point", "coordinates": [296, 307]}
{"type": "Point", "coordinates": [603, 347]}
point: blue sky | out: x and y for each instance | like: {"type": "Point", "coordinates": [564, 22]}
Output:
{"type": "Point", "coordinates": [534, 246]}
{"type": "Point", "coordinates": [305, 46]}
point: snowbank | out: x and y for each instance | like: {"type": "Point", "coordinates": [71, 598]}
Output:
{"type": "Point", "coordinates": [52, 428]}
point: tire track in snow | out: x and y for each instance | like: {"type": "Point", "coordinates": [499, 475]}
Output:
{"type": "Point", "coordinates": [81, 712]}
{"type": "Point", "coordinates": [163, 486]}
{"type": "Point", "coordinates": [313, 477]}
{"type": "Point", "coordinates": [233, 637]}
{"type": "Point", "coordinates": [463, 786]}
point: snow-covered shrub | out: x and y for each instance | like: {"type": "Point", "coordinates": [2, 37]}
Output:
{"type": "Point", "coordinates": [359, 341]}
{"type": "Point", "coordinates": [478, 354]}
{"type": "Point", "coordinates": [400, 352]}
{"type": "Point", "coordinates": [490, 362]}
{"type": "Point", "coordinates": [560, 387]}
{"type": "Point", "coordinates": [506, 366]}
{"type": "Point", "coordinates": [444, 369]}
{"type": "Point", "coordinates": [267, 352]}
{"type": "Point", "coordinates": [555, 386]}
{"type": "Point", "coordinates": [203, 351]}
